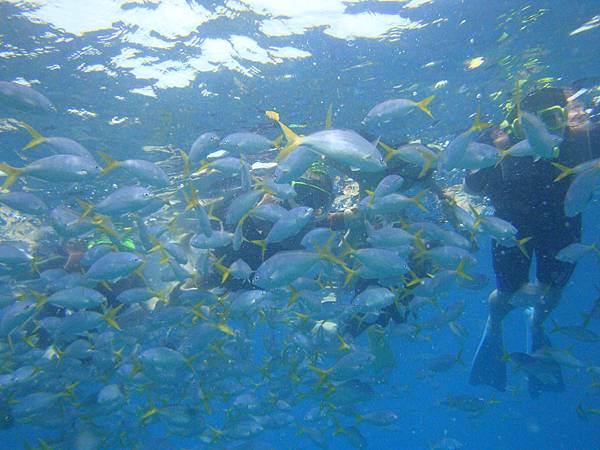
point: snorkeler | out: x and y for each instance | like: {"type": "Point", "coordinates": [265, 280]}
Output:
{"type": "Point", "coordinates": [524, 193]}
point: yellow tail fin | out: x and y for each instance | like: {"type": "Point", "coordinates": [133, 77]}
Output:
{"type": "Point", "coordinates": [111, 164]}
{"type": "Point", "coordinates": [477, 217]}
{"type": "Point", "coordinates": [40, 299]}
{"type": "Point", "coordinates": [12, 173]}
{"type": "Point", "coordinates": [421, 247]}
{"type": "Point", "coordinates": [521, 244]}
{"type": "Point", "coordinates": [389, 151]}
{"type": "Point", "coordinates": [158, 247]}
{"type": "Point", "coordinates": [293, 296]}
{"type": "Point", "coordinates": [428, 162]}
{"type": "Point", "coordinates": [263, 246]}
{"type": "Point", "coordinates": [424, 103]}
{"type": "Point", "coordinates": [293, 140]}
{"type": "Point", "coordinates": [192, 201]}
{"type": "Point", "coordinates": [323, 374]}
{"type": "Point", "coordinates": [343, 344]}
{"type": "Point", "coordinates": [460, 270]}
{"type": "Point", "coordinates": [109, 317]}
{"type": "Point", "coordinates": [223, 269]}
{"type": "Point", "coordinates": [105, 225]}
{"type": "Point", "coordinates": [564, 171]}
{"type": "Point", "coordinates": [371, 195]}
{"type": "Point", "coordinates": [36, 138]}
{"type": "Point", "coordinates": [417, 201]}
{"type": "Point", "coordinates": [414, 281]}
{"type": "Point", "coordinates": [87, 208]}
{"type": "Point", "coordinates": [204, 166]}
{"type": "Point", "coordinates": [326, 255]}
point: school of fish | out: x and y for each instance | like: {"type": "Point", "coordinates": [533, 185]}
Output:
{"type": "Point", "coordinates": [159, 317]}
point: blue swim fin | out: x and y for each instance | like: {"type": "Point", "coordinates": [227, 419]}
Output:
{"type": "Point", "coordinates": [488, 366]}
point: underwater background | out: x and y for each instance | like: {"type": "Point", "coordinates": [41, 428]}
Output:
{"type": "Point", "coordinates": [126, 76]}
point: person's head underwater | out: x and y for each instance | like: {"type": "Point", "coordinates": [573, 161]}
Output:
{"type": "Point", "coordinates": [553, 106]}
{"type": "Point", "coordinates": [549, 104]}
{"type": "Point", "coordinates": [315, 188]}
{"type": "Point", "coordinates": [557, 108]}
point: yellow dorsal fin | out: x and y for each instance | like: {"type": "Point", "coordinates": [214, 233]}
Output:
{"type": "Point", "coordinates": [152, 411]}
{"type": "Point", "coordinates": [478, 125]}
{"type": "Point", "coordinates": [517, 96]}
{"type": "Point", "coordinates": [273, 115]}
{"type": "Point", "coordinates": [224, 328]}
{"type": "Point", "coordinates": [290, 136]}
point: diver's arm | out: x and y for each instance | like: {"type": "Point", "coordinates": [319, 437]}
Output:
{"type": "Point", "coordinates": [340, 220]}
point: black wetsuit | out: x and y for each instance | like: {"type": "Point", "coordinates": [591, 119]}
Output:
{"type": "Point", "coordinates": [524, 193]}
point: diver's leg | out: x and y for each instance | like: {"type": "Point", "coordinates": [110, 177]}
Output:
{"type": "Point", "coordinates": [512, 270]}
{"type": "Point", "coordinates": [537, 341]}
{"type": "Point", "coordinates": [552, 274]}
{"type": "Point", "coordinates": [547, 303]}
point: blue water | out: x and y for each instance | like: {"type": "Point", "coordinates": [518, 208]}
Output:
{"type": "Point", "coordinates": [221, 73]}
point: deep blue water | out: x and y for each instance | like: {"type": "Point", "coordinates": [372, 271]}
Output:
{"type": "Point", "coordinates": [222, 73]}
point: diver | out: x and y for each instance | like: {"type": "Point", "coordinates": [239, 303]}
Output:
{"type": "Point", "coordinates": [73, 250]}
{"type": "Point", "coordinates": [352, 219]}
{"type": "Point", "coordinates": [524, 193]}
{"type": "Point", "coordinates": [314, 189]}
